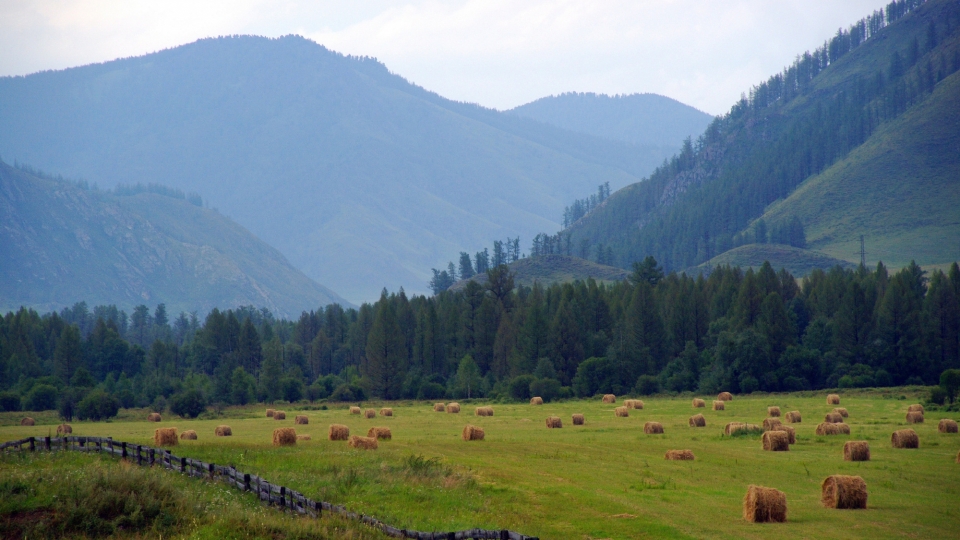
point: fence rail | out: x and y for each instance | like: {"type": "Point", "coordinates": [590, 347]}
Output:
{"type": "Point", "coordinates": [269, 493]}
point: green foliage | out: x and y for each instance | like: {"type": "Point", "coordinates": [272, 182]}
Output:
{"type": "Point", "coordinates": [81, 378]}
{"type": "Point", "coordinates": [348, 392]}
{"type": "Point", "coordinates": [188, 404]}
{"type": "Point", "coordinates": [595, 376]}
{"type": "Point", "coordinates": [97, 405]}
{"type": "Point", "coordinates": [9, 401]}
{"type": "Point", "coordinates": [938, 396]}
{"type": "Point", "coordinates": [431, 390]}
{"type": "Point", "coordinates": [468, 378]}
{"type": "Point", "coordinates": [519, 387]}
{"type": "Point", "coordinates": [647, 385]}
{"type": "Point", "coordinates": [950, 382]}
{"type": "Point", "coordinates": [69, 400]}
{"type": "Point", "coordinates": [548, 389]}
{"type": "Point", "coordinates": [43, 397]}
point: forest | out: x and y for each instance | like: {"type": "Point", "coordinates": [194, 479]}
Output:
{"type": "Point", "coordinates": [731, 330]}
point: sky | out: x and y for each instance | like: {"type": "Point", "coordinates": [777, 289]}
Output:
{"type": "Point", "coordinates": [497, 53]}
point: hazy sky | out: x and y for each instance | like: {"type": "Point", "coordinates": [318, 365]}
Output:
{"type": "Point", "coordinates": [494, 52]}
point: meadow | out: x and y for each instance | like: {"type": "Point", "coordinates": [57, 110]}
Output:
{"type": "Point", "coordinates": [605, 479]}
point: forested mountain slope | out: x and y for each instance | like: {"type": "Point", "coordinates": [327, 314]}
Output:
{"type": "Point", "coordinates": [63, 244]}
{"type": "Point", "coordinates": [550, 269]}
{"type": "Point", "coordinates": [885, 81]}
{"type": "Point", "coordinates": [361, 179]}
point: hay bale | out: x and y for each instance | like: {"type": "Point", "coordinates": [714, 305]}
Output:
{"type": "Point", "coordinates": [724, 396]}
{"type": "Point", "coordinates": [653, 428]}
{"type": "Point", "coordinates": [856, 451]}
{"type": "Point", "coordinates": [338, 432]}
{"type": "Point", "coordinates": [771, 424]}
{"type": "Point", "coordinates": [66, 429]}
{"type": "Point", "coordinates": [284, 436]}
{"type": "Point", "coordinates": [763, 504]}
{"type": "Point", "coordinates": [380, 433]}
{"type": "Point", "coordinates": [945, 426]}
{"type": "Point", "coordinates": [578, 419]}
{"type": "Point", "coordinates": [439, 407]}
{"type": "Point", "coordinates": [633, 404]}
{"type": "Point", "coordinates": [773, 411]}
{"type": "Point", "coordinates": [905, 438]}
{"type": "Point", "coordinates": [621, 412]}
{"type": "Point", "coordinates": [386, 411]}
{"type": "Point", "coordinates": [536, 400]}
{"type": "Point", "coordinates": [483, 411]}
{"type": "Point", "coordinates": [699, 403]}
{"type": "Point", "coordinates": [188, 435]}
{"type": "Point", "coordinates": [843, 428]}
{"type": "Point", "coordinates": [698, 420]}
{"type": "Point", "coordinates": [776, 441]}
{"type": "Point", "coordinates": [224, 431]}
{"type": "Point", "coordinates": [609, 398]}
{"type": "Point", "coordinates": [165, 436]}
{"type": "Point", "coordinates": [154, 417]}
{"type": "Point", "coordinates": [362, 443]}
{"type": "Point", "coordinates": [301, 419]}
{"type": "Point", "coordinates": [369, 413]}
{"type": "Point", "coordinates": [833, 399]}
{"type": "Point", "coordinates": [270, 413]}
{"type": "Point", "coordinates": [733, 427]}
{"type": "Point", "coordinates": [279, 415]}
{"type": "Point", "coordinates": [303, 437]}
{"type": "Point", "coordinates": [843, 492]}
{"type": "Point", "coordinates": [915, 408]}
{"type": "Point", "coordinates": [828, 428]}
{"type": "Point", "coordinates": [355, 410]}
{"type": "Point", "coordinates": [914, 417]}
{"type": "Point", "coordinates": [833, 417]}
{"type": "Point", "coordinates": [794, 417]}
{"type": "Point", "coordinates": [453, 408]}
{"type": "Point", "coordinates": [719, 405]}
{"type": "Point", "coordinates": [472, 433]}
{"type": "Point", "coordinates": [679, 455]}
{"type": "Point", "coordinates": [791, 433]}
{"type": "Point", "coordinates": [842, 412]}
{"type": "Point", "coordinates": [554, 422]}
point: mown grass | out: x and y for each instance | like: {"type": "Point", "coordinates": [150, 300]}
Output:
{"type": "Point", "coordinates": [602, 480]}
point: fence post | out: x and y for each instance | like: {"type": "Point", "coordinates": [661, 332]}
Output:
{"type": "Point", "coordinates": [46, 443]}
{"type": "Point", "coordinates": [211, 468]}
{"type": "Point", "coordinates": [140, 454]}
{"type": "Point", "coordinates": [82, 441]}
{"type": "Point", "coordinates": [283, 494]}
{"type": "Point", "coordinates": [183, 464]}
{"type": "Point", "coordinates": [32, 445]}
{"type": "Point", "coordinates": [246, 482]}
{"type": "Point", "coordinates": [153, 457]}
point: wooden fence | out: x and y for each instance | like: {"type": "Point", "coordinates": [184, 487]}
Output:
{"type": "Point", "coordinates": [280, 496]}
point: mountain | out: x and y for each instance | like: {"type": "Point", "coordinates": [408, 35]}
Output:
{"type": "Point", "coordinates": [858, 137]}
{"type": "Point", "coordinates": [799, 262]}
{"type": "Point", "coordinates": [646, 119]}
{"type": "Point", "coordinates": [361, 179]}
{"type": "Point", "coordinates": [63, 244]}
{"type": "Point", "coordinates": [550, 269]}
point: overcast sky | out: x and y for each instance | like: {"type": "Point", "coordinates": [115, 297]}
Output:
{"type": "Point", "coordinates": [494, 52]}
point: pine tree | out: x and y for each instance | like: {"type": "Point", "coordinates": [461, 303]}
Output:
{"type": "Point", "coordinates": [385, 365]}
{"type": "Point", "coordinates": [68, 355]}
{"type": "Point", "coordinates": [272, 370]}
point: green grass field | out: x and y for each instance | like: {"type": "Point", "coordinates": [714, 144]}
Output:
{"type": "Point", "coordinates": [606, 479]}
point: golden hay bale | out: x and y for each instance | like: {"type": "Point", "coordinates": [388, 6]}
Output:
{"type": "Point", "coordinates": [301, 419]}
{"type": "Point", "coordinates": [270, 413]}
{"type": "Point", "coordinates": [439, 407]}
{"type": "Point", "coordinates": [153, 417]}
{"type": "Point", "coordinates": [794, 417]}
{"type": "Point", "coordinates": [833, 399]}
{"type": "Point", "coordinates": [914, 417]}
{"type": "Point", "coordinates": [763, 504]}
{"type": "Point", "coordinates": [362, 443]}
{"type": "Point", "coordinates": [188, 435]}
{"type": "Point", "coordinates": [303, 437]}
{"type": "Point", "coordinates": [679, 455]}
{"type": "Point", "coordinates": [725, 396]}
{"type": "Point", "coordinates": [165, 436]}
{"type": "Point", "coordinates": [791, 433]}
{"type": "Point", "coordinates": [776, 441]}
{"type": "Point", "coordinates": [905, 438]}
{"type": "Point", "coordinates": [733, 427]}
{"type": "Point", "coordinates": [386, 411]}
{"type": "Point", "coordinates": [369, 413]}
{"type": "Point", "coordinates": [833, 417]}
{"type": "Point", "coordinates": [915, 408]}
{"type": "Point", "coordinates": [773, 411]}
{"type": "Point", "coordinates": [828, 428]}
{"type": "Point", "coordinates": [338, 432]}
{"type": "Point", "coordinates": [483, 411]}
{"type": "Point", "coordinates": [653, 428]}
{"type": "Point", "coordinates": [842, 412]}
{"type": "Point", "coordinates": [719, 405]}
{"type": "Point", "coordinates": [224, 431]}
{"type": "Point", "coordinates": [536, 400]}
{"type": "Point", "coordinates": [554, 422]}
{"type": "Point", "coordinates": [621, 412]}
{"type": "Point", "coordinates": [698, 420]}
{"type": "Point", "coordinates": [380, 433]}
{"type": "Point", "coordinates": [771, 424]}
{"type": "Point", "coordinates": [699, 403]}
{"type": "Point", "coordinates": [945, 426]}
{"type": "Point", "coordinates": [284, 436]}
{"type": "Point", "coordinates": [279, 415]}
{"type": "Point", "coordinates": [355, 410]}
{"type": "Point", "coordinates": [633, 404]}
{"type": "Point", "coordinates": [578, 419]}
{"type": "Point", "coordinates": [472, 433]}
{"type": "Point", "coordinates": [843, 492]}
{"type": "Point", "coordinates": [856, 451]}
{"type": "Point", "coordinates": [453, 408]}
{"type": "Point", "coordinates": [609, 398]}
{"type": "Point", "coordinates": [66, 429]}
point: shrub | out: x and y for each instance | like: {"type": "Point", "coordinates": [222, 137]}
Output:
{"type": "Point", "coordinates": [98, 405]}
{"type": "Point", "coordinates": [938, 395]}
{"type": "Point", "coordinates": [548, 389]}
{"type": "Point", "coordinates": [188, 404]}
{"type": "Point", "coordinates": [950, 382]}
{"type": "Point", "coordinates": [431, 390]}
{"type": "Point", "coordinates": [69, 399]}
{"type": "Point", "coordinates": [9, 401]}
{"type": "Point", "coordinates": [647, 385]}
{"type": "Point", "coordinates": [519, 387]}
{"type": "Point", "coordinates": [159, 404]}
{"type": "Point", "coordinates": [595, 376]}
{"type": "Point", "coordinates": [127, 399]}
{"type": "Point", "coordinates": [292, 389]}
{"type": "Point", "coordinates": [348, 392]}
{"type": "Point", "coordinates": [43, 397]}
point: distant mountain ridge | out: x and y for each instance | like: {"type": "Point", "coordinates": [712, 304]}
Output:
{"type": "Point", "coordinates": [549, 269]}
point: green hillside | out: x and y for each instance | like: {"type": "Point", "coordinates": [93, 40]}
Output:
{"type": "Point", "coordinates": [550, 269]}
{"type": "Point", "coordinates": [63, 244]}
{"type": "Point", "coordinates": [798, 262]}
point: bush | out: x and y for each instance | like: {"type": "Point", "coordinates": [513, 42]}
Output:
{"type": "Point", "coordinates": [647, 385]}
{"type": "Point", "coordinates": [9, 401]}
{"type": "Point", "coordinates": [292, 389]}
{"type": "Point", "coordinates": [43, 397]}
{"type": "Point", "coordinates": [159, 404]}
{"type": "Point", "coordinates": [188, 404]}
{"type": "Point", "coordinates": [98, 405]}
{"type": "Point", "coordinates": [69, 399]}
{"type": "Point", "coordinates": [126, 397]}
{"type": "Point", "coordinates": [520, 387]}
{"type": "Point", "coordinates": [348, 392]}
{"type": "Point", "coordinates": [950, 382]}
{"type": "Point", "coordinates": [431, 390]}
{"type": "Point", "coordinates": [595, 376]}
{"type": "Point", "coordinates": [938, 395]}
{"type": "Point", "coordinates": [548, 389]}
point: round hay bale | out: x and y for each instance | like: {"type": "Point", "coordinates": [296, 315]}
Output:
{"type": "Point", "coordinates": [828, 428]}
{"type": "Point", "coordinates": [453, 408]}
{"type": "Point", "coordinates": [634, 404]}
{"type": "Point", "coordinates": [699, 403]}
{"type": "Point", "coordinates": [279, 415]}
{"type": "Point", "coordinates": [484, 411]}
{"type": "Point", "coordinates": [843, 492]}
{"type": "Point", "coordinates": [844, 429]}
{"type": "Point", "coordinates": [771, 424]}
{"type": "Point", "coordinates": [154, 417]}
{"type": "Point", "coordinates": [725, 396]}
{"type": "Point", "coordinates": [472, 433]}
{"type": "Point", "coordinates": [719, 405]}
{"type": "Point", "coordinates": [945, 426]}
{"type": "Point", "coordinates": [378, 432]}
{"type": "Point", "coordinates": [439, 407]}
{"type": "Point", "coordinates": [833, 399]}
{"type": "Point", "coordinates": [653, 428]}
{"type": "Point", "coordinates": [763, 504]}
{"type": "Point", "coordinates": [905, 438]}
{"type": "Point", "coordinates": [554, 422]}
{"type": "Point", "coordinates": [734, 427]}
{"type": "Point", "coordinates": [301, 419]}
{"type": "Point", "coordinates": [223, 431]}
{"type": "Point", "coordinates": [66, 429]}
{"type": "Point", "coordinates": [188, 435]}
{"type": "Point", "coordinates": [355, 410]}
{"type": "Point", "coordinates": [166, 436]}
{"type": "Point", "coordinates": [609, 398]}
{"type": "Point", "coordinates": [773, 411]}
{"type": "Point", "coordinates": [914, 417]}
{"type": "Point", "coordinates": [338, 432]}
{"type": "Point", "coordinates": [794, 417]}
{"type": "Point", "coordinates": [915, 408]}
{"type": "Point", "coordinates": [833, 417]}
{"type": "Point", "coordinates": [270, 413]}
{"type": "Point", "coordinates": [856, 451]}
{"type": "Point", "coordinates": [536, 400]}
{"type": "Point", "coordinates": [362, 443]}
{"type": "Point", "coordinates": [303, 437]}
{"type": "Point", "coordinates": [791, 433]}
{"type": "Point", "coordinates": [698, 420]}
{"type": "Point", "coordinates": [578, 419]}
{"type": "Point", "coordinates": [776, 441]}
{"type": "Point", "coordinates": [284, 436]}
{"type": "Point", "coordinates": [621, 412]}
{"type": "Point", "coordinates": [842, 412]}
{"type": "Point", "coordinates": [386, 411]}
{"type": "Point", "coordinates": [679, 455]}
{"type": "Point", "coordinates": [369, 413]}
